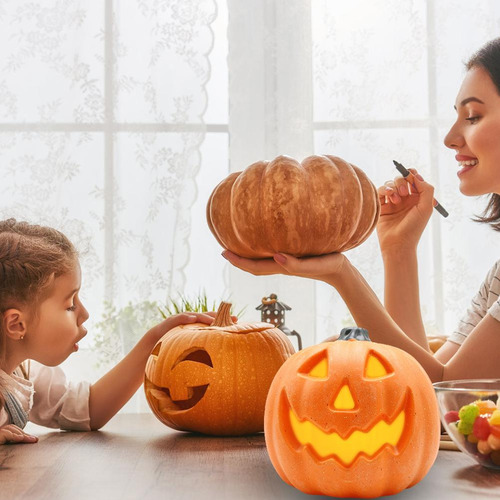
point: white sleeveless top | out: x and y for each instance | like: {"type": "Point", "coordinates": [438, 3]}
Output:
{"type": "Point", "coordinates": [48, 398]}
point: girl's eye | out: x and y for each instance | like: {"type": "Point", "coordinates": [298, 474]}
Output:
{"type": "Point", "coordinates": [472, 119]}
{"type": "Point", "coordinates": [72, 308]}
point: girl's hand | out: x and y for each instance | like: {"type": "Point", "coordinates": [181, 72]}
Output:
{"type": "Point", "coordinates": [184, 318]}
{"type": "Point", "coordinates": [13, 434]}
{"type": "Point", "coordinates": [405, 211]}
{"type": "Point", "coordinates": [321, 268]}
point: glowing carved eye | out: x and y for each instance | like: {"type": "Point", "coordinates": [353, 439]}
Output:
{"type": "Point", "coordinates": [316, 367]}
{"type": "Point", "coordinates": [376, 367]}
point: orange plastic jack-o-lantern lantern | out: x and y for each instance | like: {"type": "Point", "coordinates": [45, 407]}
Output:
{"type": "Point", "coordinates": [352, 418]}
{"type": "Point", "coordinates": [214, 379]}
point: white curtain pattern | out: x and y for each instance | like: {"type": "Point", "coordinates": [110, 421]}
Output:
{"type": "Point", "coordinates": [117, 119]}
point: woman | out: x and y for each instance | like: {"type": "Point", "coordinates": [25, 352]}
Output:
{"type": "Point", "coordinates": [472, 351]}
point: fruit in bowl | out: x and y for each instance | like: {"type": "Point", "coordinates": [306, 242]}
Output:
{"type": "Point", "coordinates": [471, 416]}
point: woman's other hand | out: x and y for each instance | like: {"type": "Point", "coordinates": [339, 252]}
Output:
{"type": "Point", "coordinates": [323, 267]}
{"type": "Point", "coordinates": [406, 206]}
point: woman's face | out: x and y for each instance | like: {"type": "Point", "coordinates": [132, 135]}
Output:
{"type": "Point", "coordinates": [475, 135]}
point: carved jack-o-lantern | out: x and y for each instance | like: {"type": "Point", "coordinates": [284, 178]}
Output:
{"type": "Point", "coordinates": [214, 379]}
{"type": "Point", "coordinates": [352, 418]}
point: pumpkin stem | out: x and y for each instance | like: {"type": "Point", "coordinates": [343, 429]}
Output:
{"type": "Point", "coordinates": [354, 333]}
{"type": "Point", "coordinates": [223, 316]}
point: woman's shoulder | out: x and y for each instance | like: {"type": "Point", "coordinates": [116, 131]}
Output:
{"type": "Point", "coordinates": [494, 271]}
{"type": "Point", "coordinates": [490, 287]}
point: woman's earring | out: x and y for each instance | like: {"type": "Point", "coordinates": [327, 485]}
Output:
{"type": "Point", "coordinates": [21, 337]}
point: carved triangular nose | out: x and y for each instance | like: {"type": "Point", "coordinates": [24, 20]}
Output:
{"type": "Point", "coordinates": [344, 399]}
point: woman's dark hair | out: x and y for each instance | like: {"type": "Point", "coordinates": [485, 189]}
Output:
{"type": "Point", "coordinates": [488, 58]}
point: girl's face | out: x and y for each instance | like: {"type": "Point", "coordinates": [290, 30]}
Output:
{"type": "Point", "coordinates": [475, 135]}
{"type": "Point", "coordinates": [59, 324]}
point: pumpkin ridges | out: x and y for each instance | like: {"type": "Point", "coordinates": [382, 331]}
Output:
{"type": "Point", "coordinates": [370, 203]}
{"type": "Point", "coordinates": [245, 214]}
{"type": "Point", "coordinates": [280, 204]}
{"type": "Point", "coordinates": [341, 207]}
{"type": "Point", "coordinates": [352, 192]}
{"type": "Point", "coordinates": [325, 223]}
{"type": "Point", "coordinates": [209, 219]}
{"type": "Point", "coordinates": [265, 199]}
{"type": "Point", "coordinates": [256, 407]}
{"type": "Point", "coordinates": [220, 215]}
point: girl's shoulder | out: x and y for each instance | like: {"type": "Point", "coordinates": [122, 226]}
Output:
{"type": "Point", "coordinates": [40, 374]}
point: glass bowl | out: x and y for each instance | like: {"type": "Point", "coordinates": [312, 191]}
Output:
{"type": "Point", "coordinates": [467, 409]}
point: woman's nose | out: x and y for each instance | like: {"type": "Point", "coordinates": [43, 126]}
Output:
{"type": "Point", "coordinates": [454, 139]}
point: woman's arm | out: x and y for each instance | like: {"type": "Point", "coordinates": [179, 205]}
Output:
{"type": "Point", "coordinates": [405, 212]}
{"type": "Point", "coordinates": [369, 313]}
{"type": "Point", "coordinates": [115, 388]}
{"type": "Point", "coordinates": [446, 351]}
{"type": "Point", "coordinates": [402, 296]}
{"type": "Point", "coordinates": [366, 309]}
{"type": "Point", "coordinates": [478, 357]}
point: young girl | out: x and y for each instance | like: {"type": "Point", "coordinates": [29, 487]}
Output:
{"type": "Point", "coordinates": [41, 319]}
{"type": "Point", "coordinates": [473, 350]}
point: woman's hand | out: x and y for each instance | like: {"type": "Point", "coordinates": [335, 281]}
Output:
{"type": "Point", "coordinates": [323, 267]}
{"type": "Point", "coordinates": [405, 211]}
{"type": "Point", "coordinates": [13, 434]}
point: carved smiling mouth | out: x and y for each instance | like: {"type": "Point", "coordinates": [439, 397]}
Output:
{"type": "Point", "coordinates": [188, 396]}
{"type": "Point", "coordinates": [325, 445]}
{"type": "Point", "coordinates": [167, 403]}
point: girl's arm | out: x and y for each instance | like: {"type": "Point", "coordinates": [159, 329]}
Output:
{"type": "Point", "coordinates": [115, 388]}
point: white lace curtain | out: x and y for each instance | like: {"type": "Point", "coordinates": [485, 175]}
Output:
{"type": "Point", "coordinates": [117, 118]}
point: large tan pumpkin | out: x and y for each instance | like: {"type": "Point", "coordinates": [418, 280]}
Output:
{"type": "Point", "coordinates": [319, 206]}
{"type": "Point", "coordinates": [214, 379]}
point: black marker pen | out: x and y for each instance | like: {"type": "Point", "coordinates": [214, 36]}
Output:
{"type": "Point", "coordinates": [405, 173]}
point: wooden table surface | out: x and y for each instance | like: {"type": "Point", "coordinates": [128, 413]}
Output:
{"type": "Point", "coordinates": [135, 457]}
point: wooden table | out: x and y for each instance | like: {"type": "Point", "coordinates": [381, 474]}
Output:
{"type": "Point", "coordinates": [136, 457]}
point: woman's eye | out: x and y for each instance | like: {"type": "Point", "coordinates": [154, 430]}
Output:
{"type": "Point", "coordinates": [72, 308]}
{"type": "Point", "coordinates": [473, 119]}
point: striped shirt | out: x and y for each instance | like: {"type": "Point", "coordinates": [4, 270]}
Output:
{"type": "Point", "coordinates": [487, 300]}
